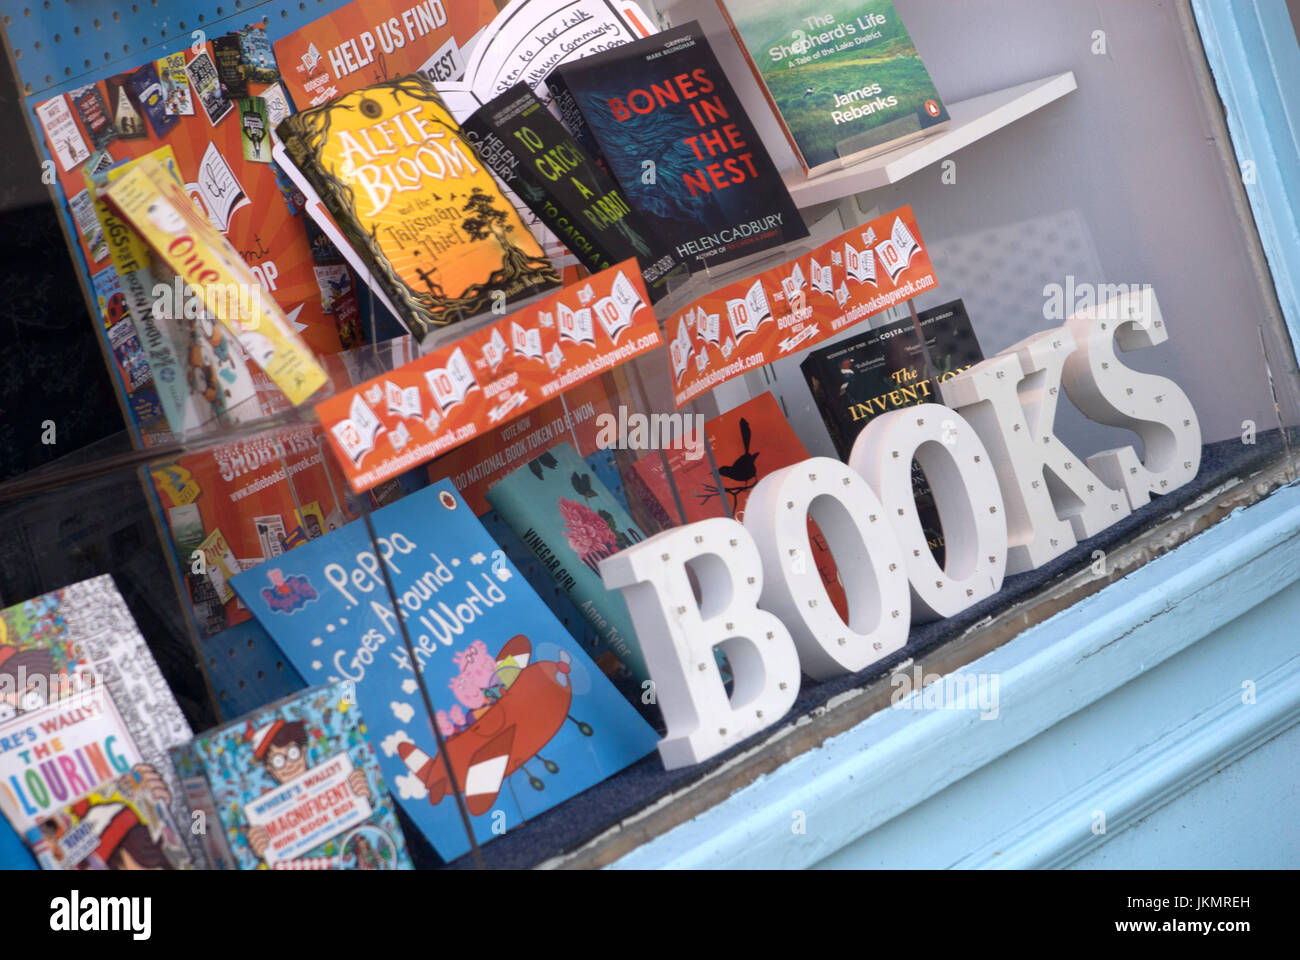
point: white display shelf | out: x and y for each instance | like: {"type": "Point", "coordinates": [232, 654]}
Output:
{"type": "Point", "coordinates": [971, 120]}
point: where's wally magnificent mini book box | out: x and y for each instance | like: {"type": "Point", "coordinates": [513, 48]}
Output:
{"type": "Point", "coordinates": [295, 786]}
{"type": "Point", "coordinates": [527, 718]}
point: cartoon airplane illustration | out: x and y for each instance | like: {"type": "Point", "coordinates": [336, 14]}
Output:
{"type": "Point", "coordinates": [507, 734]}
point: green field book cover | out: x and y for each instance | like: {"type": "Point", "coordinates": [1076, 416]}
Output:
{"type": "Point", "coordinates": [843, 76]}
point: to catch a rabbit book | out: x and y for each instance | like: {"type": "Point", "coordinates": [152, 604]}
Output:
{"type": "Point", "coordinates": [668, 124]}
{"type": "Point", "coordinates": [526, 717]}
{"type": "Point", "coordinates": [296, 786]}
{"type": "Point", "coordinates": [416, 204]}
{"type": "Point", "coordinates": [534, 155]}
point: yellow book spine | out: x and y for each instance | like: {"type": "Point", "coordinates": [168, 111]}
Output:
{"type": "Point", "coordinates": [158, 209]}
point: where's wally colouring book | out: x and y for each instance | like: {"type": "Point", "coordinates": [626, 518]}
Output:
{"type": "Point", "coordinates": [82, 700]}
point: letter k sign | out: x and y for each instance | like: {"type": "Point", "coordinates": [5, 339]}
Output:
{"type": "Point", "coordinates": [1052, 499]}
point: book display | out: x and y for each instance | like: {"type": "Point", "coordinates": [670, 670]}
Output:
{"type": "Point", "coordinates": [519, 459]}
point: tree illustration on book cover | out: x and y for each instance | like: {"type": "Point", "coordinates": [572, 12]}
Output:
{"type": "Point", "coordinates": [412, 196]}
{"type": "Point", "coordinates": [528, 720]}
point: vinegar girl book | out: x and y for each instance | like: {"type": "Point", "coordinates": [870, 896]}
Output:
{"type": "Point", "coordinates": [562, 512]}
{"type": "Point", "coordinates": [527, 718]}
{"type": "Point", "coordinates": [296, 786]}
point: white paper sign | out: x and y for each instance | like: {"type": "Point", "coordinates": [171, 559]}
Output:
{"type": "Point", "coordinates": [69, 146]}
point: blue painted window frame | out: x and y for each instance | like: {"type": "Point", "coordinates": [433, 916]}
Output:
{"type": "Point", "coordinates": [1255, 59]}
{"type": "Point", "coordinates": [894, 760]}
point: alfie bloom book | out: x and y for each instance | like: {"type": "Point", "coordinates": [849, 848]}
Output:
{"type": "Point", "coordinates": [412, 197]}
{"type": "Point", "coordinates": [296, 786]}
{"type": "Point", "coordinates": [526, 717]}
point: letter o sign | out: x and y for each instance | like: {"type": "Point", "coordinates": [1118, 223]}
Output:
{"type": "Point", "coordinates": [965, 489]}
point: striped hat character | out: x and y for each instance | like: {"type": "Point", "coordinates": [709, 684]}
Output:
{"type": "Point", "coordinates": [281, 747]}
{"type": "Point", "coordinates": [124, 841]}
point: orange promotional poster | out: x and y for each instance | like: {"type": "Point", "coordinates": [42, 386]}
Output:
{"type": "Point", "coordinates": [129, 115]}
{"type": "Point", "coordinates": [747, 443]}
{"type": "Point", "coordinates": [486, 378]}
{"type": "Point", "coordinates": [231, 508]}
{"type": "Point", "coordinates": [474, 50]}
{"type": "Point", "coordinates": [215, 105]}
{"type": "Point", "coordinates": [477, 465]}
{"type": "Point", "coordinates": [370, 41]}
{"type": "Point", "coordinates": [791, 307]}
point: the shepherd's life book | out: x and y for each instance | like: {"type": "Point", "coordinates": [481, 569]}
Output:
{"type": "Point", "coordinates": [843, 76]}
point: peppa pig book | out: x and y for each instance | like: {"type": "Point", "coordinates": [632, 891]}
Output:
{"type": "Point", "coordinates": [526, 717]}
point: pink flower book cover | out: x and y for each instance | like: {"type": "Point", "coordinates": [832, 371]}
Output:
{"type": "Point", "coordinates": [563, 513]}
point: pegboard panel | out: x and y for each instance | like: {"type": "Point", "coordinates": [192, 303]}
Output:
{"type": "Point", "coordinates": [247, 669]}
{"type": "Point", "coordinates": [61, 44]}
